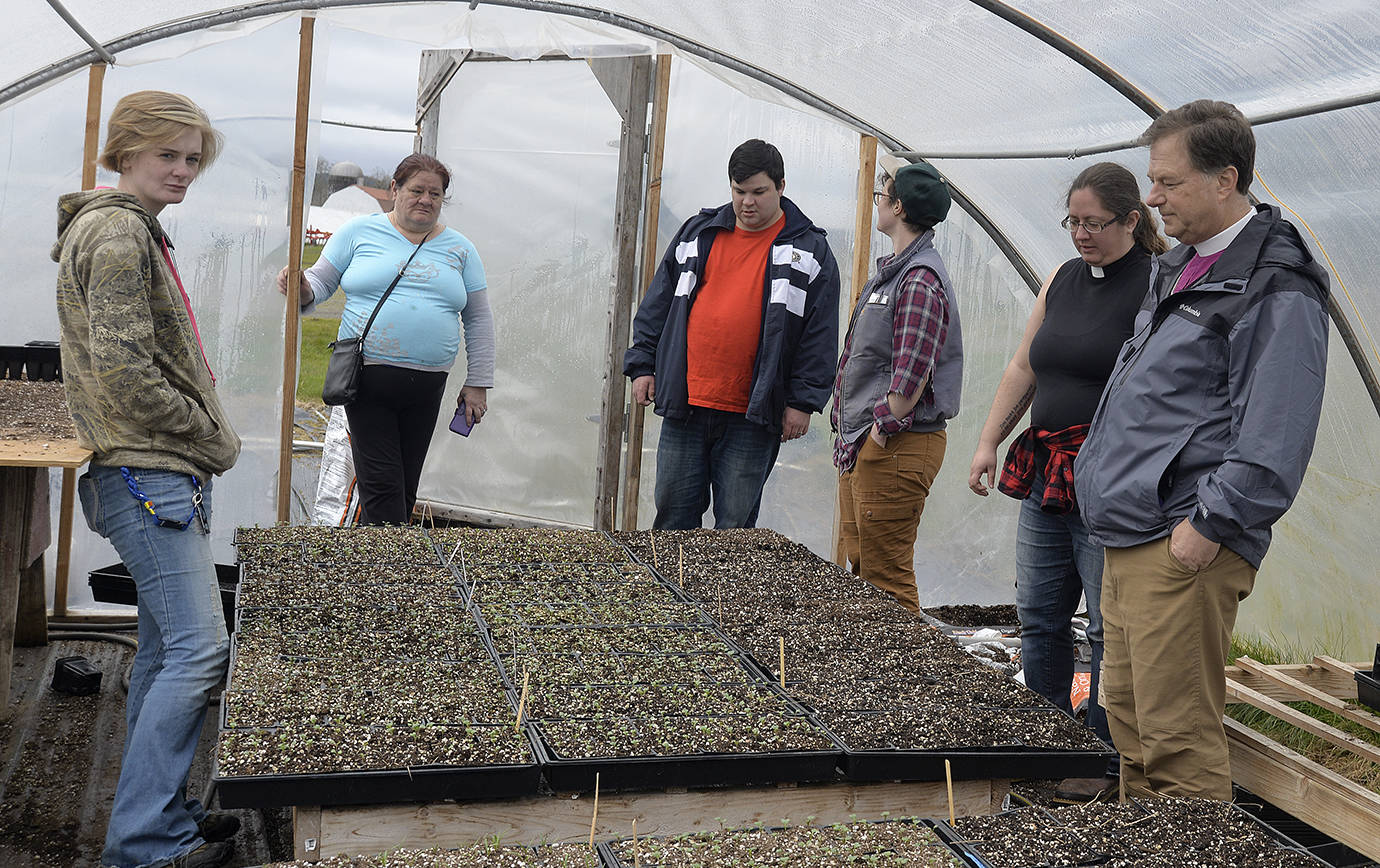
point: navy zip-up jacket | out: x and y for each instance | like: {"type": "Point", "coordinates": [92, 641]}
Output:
{"type": "Point", "coordinates": [798, 350]}
{"type": "Point", "coordinates": [1212, 409]}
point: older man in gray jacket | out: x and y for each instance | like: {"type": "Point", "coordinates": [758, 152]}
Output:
{"type": "Point", "coordinates": [1199, 446]}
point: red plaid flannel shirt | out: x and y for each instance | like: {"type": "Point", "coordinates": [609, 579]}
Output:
{"type": "Point", "coordinates": [921, 323]}
{"type": "Point", "coordinates": [1018, 473]}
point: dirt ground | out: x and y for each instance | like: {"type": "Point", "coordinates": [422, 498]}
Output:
{"type": "Point", "coordinates": [60, 761]}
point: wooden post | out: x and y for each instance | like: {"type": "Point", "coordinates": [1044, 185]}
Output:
{"type": "Point", "coordinates": [64, 541]}
{"type": "Point", "coordinates": [862, 258]}
{"type": "Point", "coordinates": [628, 83]}
{"type": "Point", "coordinates": [16, 493]}
{"type": "Point", "coordinates": [632, 472]}
{"type": "Point", "coordinates": [295, 229]}
{"type": "Point", "coordinates": [31, 617]}
{"type": "Point", "coordinates": [95, 83]}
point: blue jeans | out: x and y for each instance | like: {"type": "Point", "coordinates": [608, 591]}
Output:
{"type": "Point", "coordinates": [1055, 564]}
{"type": "Point", "coordinates": [183, 652]}
{"type": "Point", "coordinates": [712, 451]}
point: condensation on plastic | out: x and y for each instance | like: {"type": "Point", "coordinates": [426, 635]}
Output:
{"type": "Point", "coordinates": [1260, 56]}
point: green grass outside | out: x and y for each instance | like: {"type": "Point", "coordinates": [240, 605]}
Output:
{"type": "Point", "coordinates": [1339, 760]}
{"type": "Point", "coordinates": [315, 352]}
{"type": "Point", "coordinates": [310, 253]}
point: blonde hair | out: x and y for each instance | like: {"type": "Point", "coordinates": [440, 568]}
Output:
{"type": "Point", "coordinates": [149, 118]}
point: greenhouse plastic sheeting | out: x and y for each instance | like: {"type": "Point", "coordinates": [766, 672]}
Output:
{"type": "Point", "coordinates": [230, 237]}
{"type": "Point", "coordinates": [936, 77]}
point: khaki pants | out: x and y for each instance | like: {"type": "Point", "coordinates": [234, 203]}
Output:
{"type": "Point", "coordinates": [1166, 632]}
{"type": "Point", "coordinates": [880, 501]}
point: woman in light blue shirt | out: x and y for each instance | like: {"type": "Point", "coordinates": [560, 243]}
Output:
{"type": "Point", "coordinates": [415, 337]}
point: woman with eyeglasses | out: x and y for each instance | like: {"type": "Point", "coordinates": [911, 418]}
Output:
{"type": "Point", "coordinates": [1084, 313]}
{"type": "Point", "coordinates": [415, 337]}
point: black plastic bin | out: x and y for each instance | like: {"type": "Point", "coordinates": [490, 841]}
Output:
{"type": "Point", "coordinates": [43, 360]}
{"type": "Point", "coordinates": [1368, 683]}
{"type": "Point", "coordinates": [113, 584]}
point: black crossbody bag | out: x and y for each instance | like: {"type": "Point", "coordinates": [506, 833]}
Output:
{"type": "Point", "coordinates": [346, 366]}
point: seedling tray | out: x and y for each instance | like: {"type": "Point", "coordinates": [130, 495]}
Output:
{"type": "Point", "coordinates": [113, 584]}
{"type": "Point", "coordinates": [608, 850]}
{"type": "Point", "coordinates": [688, 770]}
{"type": "Point", "coordinates": [971, 763]}
{"type": "Point", "coordinates": [420, 784]}
{"type": "Point", "coordinates": [983, 856]}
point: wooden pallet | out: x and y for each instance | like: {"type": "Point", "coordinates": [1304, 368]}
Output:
{"type": "Point", "coordinates": [1315, 794]}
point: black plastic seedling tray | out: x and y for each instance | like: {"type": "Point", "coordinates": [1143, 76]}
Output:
{"type": "Point", "coordinates": [419, 784]}
{"type": "Point", "coordinates": [974, 853]}
{"type": "Point", "coordinates": [970, 763]}
{"type": "Point", "coordinates": [113, 584]}
{"type": "Point", "coordinates": [691, 770]}
{"type": "Point", "coordinates": [608, 853]}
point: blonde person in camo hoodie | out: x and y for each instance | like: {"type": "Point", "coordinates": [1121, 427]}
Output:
{"type": "Point", "coordinates": [143, 398]}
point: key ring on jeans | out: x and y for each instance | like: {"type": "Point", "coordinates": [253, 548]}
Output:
{"type": "Point", "coordinates": [147, 502]}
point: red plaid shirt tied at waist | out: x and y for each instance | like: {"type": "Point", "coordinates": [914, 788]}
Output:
{"type": "Point", "coordinates": [1019, 471]}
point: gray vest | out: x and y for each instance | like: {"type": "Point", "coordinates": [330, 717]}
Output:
{"type": "Point", "coordinates": [867, 373]}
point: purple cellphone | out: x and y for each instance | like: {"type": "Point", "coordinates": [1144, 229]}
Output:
{"type": "Point", "coordinates": [458, 424]}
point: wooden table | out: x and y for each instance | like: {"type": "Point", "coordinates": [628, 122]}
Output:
{"type": "Point", "coordinates": [19, 464]}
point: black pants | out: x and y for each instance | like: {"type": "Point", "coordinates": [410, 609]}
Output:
{"type": "Point", "coordinates": [390, 431]}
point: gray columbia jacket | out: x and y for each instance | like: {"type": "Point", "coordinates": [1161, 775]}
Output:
{"type": "Point", "coordinates": [1211, 411]}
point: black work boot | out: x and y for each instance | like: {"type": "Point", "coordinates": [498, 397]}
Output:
{"type": "Point", "coordinates": [216, 826]}
{"type": "Point", "coordinates": [212, 854]}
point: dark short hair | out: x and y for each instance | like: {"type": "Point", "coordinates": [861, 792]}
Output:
{"type": "Point", "coordinates": [1216, 135]}
{"type": "Point", "coordinates": [414, 163]}
{"type": "Point", "coordinates": [1115, 187]}
{"type": "Point", "coordinates": [755, 156]}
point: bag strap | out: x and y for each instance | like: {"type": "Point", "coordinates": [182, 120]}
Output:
{"type": "Point", "coordinates": [389, 290]}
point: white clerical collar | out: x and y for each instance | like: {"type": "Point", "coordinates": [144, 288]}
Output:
{"type": "Point", "coordinates": [1222, 240]}
{"type": "Point", "coordinates": [1097, 271]}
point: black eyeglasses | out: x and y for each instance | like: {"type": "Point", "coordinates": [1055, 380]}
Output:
{"type": "Point", "coordinates": [879, 195]}
{"type": "Point", "coordinates": [1092, 226]}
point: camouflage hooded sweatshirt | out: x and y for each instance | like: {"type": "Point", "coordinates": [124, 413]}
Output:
{"type": "Point", "coordinates": [137, 385]}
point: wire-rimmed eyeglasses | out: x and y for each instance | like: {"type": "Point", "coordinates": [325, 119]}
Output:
{"type": "Point", "coordinates": [879, 195]}
{"type": "Point", "coordinates": [1092, 227]}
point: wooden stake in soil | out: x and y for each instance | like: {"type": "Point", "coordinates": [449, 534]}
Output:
{"type": "Point", "coordinates": [651, 535]}
{"type": "Point", "coordinates": [721, 604]}
{"type": "Point", "coordinates": [681, 549]}
{"type": "Point", "coordinates": [949, 784]}
{"type": "Point", "coordinates": [594, 819]}
{"type": "Point", "coordinates": [781, 670]}
{"type": "Point", "coordinates": [522, 700]}
{"type": "Point", "coordinates": [637, 857]}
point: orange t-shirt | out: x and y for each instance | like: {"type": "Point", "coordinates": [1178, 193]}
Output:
{"type": "Point", "coordinates": [726, 320]}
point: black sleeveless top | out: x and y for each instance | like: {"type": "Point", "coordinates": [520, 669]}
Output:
{"type": "Point", "coordinates": [1087, 319]}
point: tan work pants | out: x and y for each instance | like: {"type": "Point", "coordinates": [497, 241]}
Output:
{"type": "Point", "coordinates": [880, 501]}
{"type": "Point", "coordinates": [1166, 633]}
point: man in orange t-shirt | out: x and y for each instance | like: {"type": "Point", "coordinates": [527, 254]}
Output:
{"type": "Point", "coordinates": [736, 342]}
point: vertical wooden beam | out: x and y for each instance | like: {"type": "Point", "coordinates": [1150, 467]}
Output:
{"type": "Point", "coordinates": [95, 83]}
{"type": "Point", "coordinates": [31, 617]}
{"type": "Point", "coordinates": [306, 833]}
{"type": "Point", "coordinates": [862, 258]}
{"type": "Point", "coordinates": [295, 230]}
{"type": "Point", "coordinates": [16, 499]}
{"type": "Point", "coordinates": [628, 82]}
{"type": "Point", "coordinates": [632, 472]}
{"type": "Point", "coordinates": [64, 541]}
